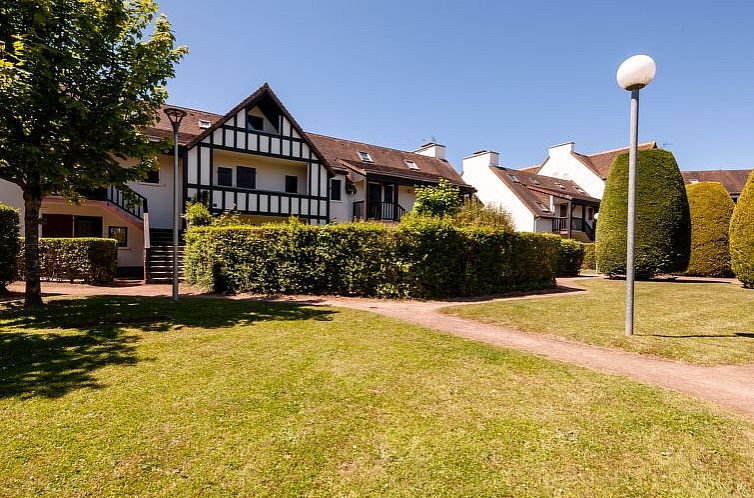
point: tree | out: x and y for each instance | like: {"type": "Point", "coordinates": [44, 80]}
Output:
{"type": "Point", "coordinates": [742, 236]}
{"type": "Point", "coordinates": [711, 207]}
{"type": "Point", "coordinates": [473, 213]}
{"type": "Point", "coordinates": [663, 226]}
{"type": "Point", "coordinates": [440, 200]}
{"type": "Point", "coordinates": [78, 83]}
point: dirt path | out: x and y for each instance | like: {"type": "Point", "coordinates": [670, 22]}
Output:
{"type": "Point", "coordinates": [731, 386]}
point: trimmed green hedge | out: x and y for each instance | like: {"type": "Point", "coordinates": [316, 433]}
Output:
{"type": "Point", "coordinates": [423, 258]}
{"type": "Point", "coordinates": [663, 225]}
{"type": "Point", "coordinates": [742, 236]}
{"type": "Point", "coordinates": [711, 208]}
{"type": "Point", "coordinates": [91, 259]}
{"type": "Point", "coordinates": [9, 245]}
{"type": "Point", "coordinates": [589, 262]}
{"type": "Point", "coordinates": [570, 257]}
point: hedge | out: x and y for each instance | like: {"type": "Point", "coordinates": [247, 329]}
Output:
{"type": "Point", "coordinates": [742, 236]}
{"type": "Point", "coordinates": [423, 258]}
{"type": "Point", "coordinates": [663, 226]}
{"type": "Point", "coordinates": [589, 262]}
{"type": "Point", "coordinates": [570, 257]}
{"type": "Point", "coordinates": [9, 245]}
{"type": "Point", "coordinates": [89, 259]}
{"type": "Point", "coordinates": [711, 208]}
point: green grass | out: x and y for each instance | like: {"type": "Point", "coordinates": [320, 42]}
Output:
{"type": "Point", "coordinates": [129, 396]}
{"type": "Point", "coordinates": [704, 323]}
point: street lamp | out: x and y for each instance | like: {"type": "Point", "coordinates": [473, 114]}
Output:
{"type": "Point", "coordinates": [634, 74]}
{"type": "Point", "coordinates": [175, 116]}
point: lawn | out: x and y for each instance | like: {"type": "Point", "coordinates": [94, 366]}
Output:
{"type": "Point", "coordinates": [138, 396]}
{"type": "Point", "coordinates": [704, 323]}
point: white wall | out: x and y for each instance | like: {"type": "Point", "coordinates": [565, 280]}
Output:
{"type": "Point", "coordinates": [160, 195]}
{"type": "Point", "coordinates": [493, 192]}
{"type": "Point", "coordinates": [11, 195]}
{"type": "Point", "coordinates": [271, 172]}
{"type": "Point", "coordinates": [562, 164]}
{"type": "Point", "coordinates": [341, 211]}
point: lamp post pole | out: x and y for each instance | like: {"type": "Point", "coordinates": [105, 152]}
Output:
{"type": "Point", "coordinates": [634, 74]}
{"type": "Point", "coordinates": [175, 116]}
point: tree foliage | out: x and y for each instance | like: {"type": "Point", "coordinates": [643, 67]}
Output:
{"type": "Point", "coordinates": [711, 208]}
{"type": "Point", "coordinates": [78, 83]}
{"type": "Point", "coordinates": [438, 200]}
{"type": "Point", "coordinates": [473, 213]}
{"type": "Point", "coordinates": [8, 245]}
{"type": "Point", "coordinates": [742, 236]}
{"type": "Point", "coordinates": [663, 227]}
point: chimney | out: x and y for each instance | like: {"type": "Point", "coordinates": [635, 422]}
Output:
{"type": "Point", "coordinates": [481, 159]}
{"type": "Point", "coordinates": [432, 149]}
{"type": "Point", "coordinates": [560, 149]}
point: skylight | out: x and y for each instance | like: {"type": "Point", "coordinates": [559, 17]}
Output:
{"type": "Point", "coordinates": [204, 124]}
{"type": "Point", "coordinates": [513, 177]}
{"type": "Point", "coordinates": [542, 206]}
{"type": "Point", "coordinates": [411, 164]}
{"type": "Point", "coordinates": [365, 156]}
{"type": "Point", "coordinates": [534, 181]}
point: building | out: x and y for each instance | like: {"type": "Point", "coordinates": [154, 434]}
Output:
{"type": "Point", "coordinates": [257, 161]}
{"type": "Point", "coordinates": [733, 180]}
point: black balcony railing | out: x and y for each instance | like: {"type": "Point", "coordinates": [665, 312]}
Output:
{"type": "Point", "coordinates": [385, 211]}
{"type": "Point", "coordinates": [136, 206]}
{"type": "Point", "coordinates": [577, 224]}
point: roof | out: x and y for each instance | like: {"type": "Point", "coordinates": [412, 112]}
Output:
{"type": "Point", "coordinates": [732, 179]}
{"type": "Point", "coordinates": [189, 128]}
{"type": "Point", "coordinates": [533, 189]}
{"type": "Point", "coordinates": [599, 162]}
{"type": "Point", "coordinates": [390, 162]}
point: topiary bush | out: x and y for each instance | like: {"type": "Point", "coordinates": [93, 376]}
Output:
{"type": "Point", "coordinates": [589, 262]}
{"type": "Point", "coordinates": [663, 225]}
{"type": "Point", "coordinates": [711, 208]}
{"type": "Point", "coordinates": [9, 246]}
{"type": "Point", "coordinates": [88, 259]}
{"type": "Point", "coordinates": [426, 257]}
{"type": "Point", "coordinates": [570, 258]}
{"type": "Point", "coordinates": [742, 236]}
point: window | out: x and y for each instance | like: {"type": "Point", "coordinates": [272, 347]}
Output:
{"type": "Point", "coordinates": [388, 194]}
{"type": "Point", "coordinates": [87, 226]}
{"type": "Point", "coordinates": [335, 189]}
{"type": "Point", "coordinates": [534, 181]}
{"type": "Point", "coordinates": [542, 206]}
{"type": "Point", "coordinates": [256, 123]}
{"type": "Point", "coordinates": [246, 177]}
{"type": "Point", "coordinates": [364, 156]}
{"type": "Point", "coordinates": [153, 176]}
{"type": "Point", "coordinates": [563, 210]}
{"type": "Point", "coordinates": [411, 164]}
{"type": "Point", "coordinates": [513, 177]}
{"type": "Point", "coordinates": [224, 177]}
{"type": "Point", "coordinates": [204, 124]}
{"type": "Point", "coordinates": [291, 184]}
{"type": "Point", "coordinates": [120, 234]}
{"type": "Point", "coordinates": [590, 213]}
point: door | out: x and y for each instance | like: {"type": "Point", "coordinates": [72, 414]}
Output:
{"type": "Point", "coordinates": [87, 226]}
{"type": "Point", "coordinates": [57, 225]}
{"type": "Point", "coordinates": [375, 196]}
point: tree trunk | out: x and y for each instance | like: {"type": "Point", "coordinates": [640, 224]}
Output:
{"type": "Point", "coordinates": [32, 206]}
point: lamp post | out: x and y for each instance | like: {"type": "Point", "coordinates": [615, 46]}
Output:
{"type": "Point", "coordinates": [634, 74]}
{"type": "Point", "coordinates": [175, 116]}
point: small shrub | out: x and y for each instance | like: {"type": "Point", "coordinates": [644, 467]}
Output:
{"type": "Point", "coordinates": [663, 226]}
{"type": "Point", "coordinates": [711, 208]}
{"type": "Point", "coordinates": [197, 214]}
{"type": "Point", "coordinates": [475, 214]}
{"type": "Point", "coordinates": [589, 262]}
{"type": "Point", "coordinates": [424, 257]}
{"type": "Point", "coordinates": [9, 246]}
{"type": "Point", "coordinates": [89, 259]}
{"type": "Point", "coordinates": [742, 236]}
{"type": "Point", "coordinates": [570, 257]}
{"type": "Point", "coordinates": [443, 199]}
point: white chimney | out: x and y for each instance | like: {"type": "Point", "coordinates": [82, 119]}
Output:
{"type": "Point", "coordinates": [481, 159]}
{"type": "Point", "coordinates": [432, 149]}
{"type": "Point", "coordinates": [560, 149]}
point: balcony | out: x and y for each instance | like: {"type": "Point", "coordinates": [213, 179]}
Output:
{"type": "Point", "coordinates": [381, 211]}
{"type": "Point", "coordinates": [560, 225]}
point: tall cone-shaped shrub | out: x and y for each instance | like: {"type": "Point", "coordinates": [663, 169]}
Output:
{"type": "Point", "coordinates": [742, 236]}
{"type": "Point", "coordinates": [663, 227]}
{"type": "Point", "coordinates": [711, 208]}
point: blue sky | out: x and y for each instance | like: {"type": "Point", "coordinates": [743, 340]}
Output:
{"type": "Point", "coordinates": [512, 76]}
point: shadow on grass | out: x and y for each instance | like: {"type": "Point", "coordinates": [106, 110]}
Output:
{"type": "Point", "coordinates": [57, 349]}
{"type": "Point", "coordinates": [748, 335]}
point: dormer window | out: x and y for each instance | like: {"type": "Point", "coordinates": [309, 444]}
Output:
{"type": "Point", "coordinates": [204, 124]}
{"type": "Point", "coordinates": [365, 156]}
{"type": "Point", "coordinates": [411, 164]}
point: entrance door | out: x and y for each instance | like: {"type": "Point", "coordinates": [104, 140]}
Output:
{"type": "Point", "coordinates": [375, 198]}
{"type": "Point", "coordinates": [57, 225]}
{"type": "Point", "coordinates": [87, 226]}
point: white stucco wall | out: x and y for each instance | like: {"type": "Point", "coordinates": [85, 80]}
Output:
{"type": "Point", "coordinates": [11, 195]}
{"type": "Point", "coordinates": [271, 172]}
{"type": "Point", "coordinates": [160, 195]}
{"type": "Point", "coordinates": [562, 164]}
{"type": "Point", "coordinates": [340, 211]}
